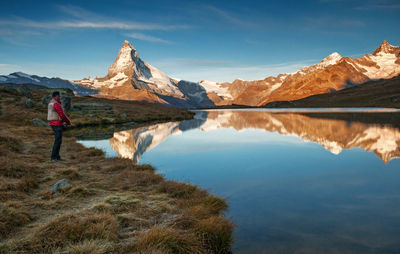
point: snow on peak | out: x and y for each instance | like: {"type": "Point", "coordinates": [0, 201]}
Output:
{"type": "Point", "coordinates": [124, 60]}
{"type": "Point", "coordinates": [21, 74]}
{"type": "Point", "coordinates": [127, 44]}
{"type": "Point", "coordinates": [331, 59]}
{"type": "Point", "coordinates": [213, 86]}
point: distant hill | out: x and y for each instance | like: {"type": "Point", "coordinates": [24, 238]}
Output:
{"type": "Point", "coordinates": [23, 78]}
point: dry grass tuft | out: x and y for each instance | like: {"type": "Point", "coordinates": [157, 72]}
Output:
{"type": "Point", "coordinates": [102, 207]}
{"type": "Point", "coordinates": [74, 228]}
{"type": "Point", "coordinates": [10, 166]}
{"type": "Point", "coordinates": [93, 152]}
{"type": "Point", "coordinates": [216, 234]}
{"type": "Point", "coordinates": [180, 190]}
{"type": "Point", "coordinates": [79, 191]}
{"type": "Point", "coordinates": [27, 183]}
{"type": "Point", "coordinates": [12, 216]}
{"type": "Point", "coordinates": [145, 167]}
{"type": "Point", "coordinates": [70, 173]}
{"type": "Point", "coordinates": [214, 205]}
{"type": "Point", "coordinates": [129, 179]}
{"type": "Point", "coordinates": [12, 144]}
{"type": "Point", "coordinates": [86, 247]}
{"type": "Point", "coordinates": [123, 203]}
{"type": "Point", "coordinates": [166, 240]}
{"type": "Point", "coordinates": [11, 195]}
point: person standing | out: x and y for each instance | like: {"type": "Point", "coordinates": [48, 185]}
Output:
{"type": "Point", "coordinates": [57, 120]}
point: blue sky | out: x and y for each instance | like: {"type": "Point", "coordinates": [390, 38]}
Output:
{"type": "Point", "coordinates": [192, 40]}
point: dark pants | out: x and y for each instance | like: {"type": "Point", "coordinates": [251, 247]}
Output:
{"type": "Point", "coordinates": [55, 152]}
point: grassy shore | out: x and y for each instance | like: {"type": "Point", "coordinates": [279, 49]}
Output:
{"type": "Point", "coordinates": [111, 206]}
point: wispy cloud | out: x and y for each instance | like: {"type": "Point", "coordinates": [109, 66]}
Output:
{"type": "Point", "coordinates": [15, 29]}
{"type": "Point", "coordinates": [18, 30]}
{"type": "Point", "coordinates": [144, 37]}
{"type": "Point", "coordinates": [78, 12]}
{"type": "Point", "coordinates": [225, 15]}
{"type": "Point", "coordinates": [21, 22]}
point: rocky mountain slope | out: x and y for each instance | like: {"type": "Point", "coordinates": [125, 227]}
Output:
{"type": "Point", "coordinates": [130, 78]}
{"type": "Point", "coordinates": [23, 78]}
{"type": "Point", "coordinates": [373, 93]}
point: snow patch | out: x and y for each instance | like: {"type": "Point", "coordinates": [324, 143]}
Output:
{"type": "Point", "coordinates": [275, 86]}
{"type": "Point", "coordinates": [387, 66]}
{"type": "Point", "coordinates": [212, 86]}
{"type": "Point", "coordinates": [332, 59]}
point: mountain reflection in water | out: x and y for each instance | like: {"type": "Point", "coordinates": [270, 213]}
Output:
{"type": "Point", "coordinates": [295, 183]}
{"type": "Point", "coordinates": [333, 134]}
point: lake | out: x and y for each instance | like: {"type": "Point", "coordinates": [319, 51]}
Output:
{"type": "Point", "coordinates": [311, 181]}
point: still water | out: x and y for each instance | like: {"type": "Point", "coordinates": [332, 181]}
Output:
{"type": "Point", "coordinates": [295, 182]}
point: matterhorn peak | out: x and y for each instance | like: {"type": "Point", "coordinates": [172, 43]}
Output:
{"type": "Point", "coordinates": [385, 47]}
{"type": "Point", "coordinates": [124, 61]}
{"type": "Point", "coordinates": [127, 44]}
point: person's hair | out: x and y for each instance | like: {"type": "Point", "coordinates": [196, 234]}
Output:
{"type": "Point", "coordinates": [55, 93]}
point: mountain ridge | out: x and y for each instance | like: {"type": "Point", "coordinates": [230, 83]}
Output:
{"type": "Point", "coordinates": [332, 73]}
{"type": "Point", "coordinates": [23, 78]}
{"type": "Point", "coordinates": [131, 78]}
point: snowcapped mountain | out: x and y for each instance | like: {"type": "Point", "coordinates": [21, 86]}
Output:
{"type": "Point", "coordinates": [23, 78]}
{"type": "Point", "coordinates": [129, 77]}
{"type": "Point", "coordinates": [332, 73]}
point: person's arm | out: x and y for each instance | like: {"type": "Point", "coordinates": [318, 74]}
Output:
{"type": "Point", "coordinates": [60, 112]}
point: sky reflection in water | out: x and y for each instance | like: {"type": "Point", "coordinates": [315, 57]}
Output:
{"type": "Point", "coordinates": [293, 182]}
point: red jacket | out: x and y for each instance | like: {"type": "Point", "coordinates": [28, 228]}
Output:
{"type": "Point", "coordinates": [57, 107]}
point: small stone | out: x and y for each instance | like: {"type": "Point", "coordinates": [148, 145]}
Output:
{"type": "Point", "coordinates": [124, 115]}
{"type": "Point", "coordinates": [129, 124]}
{"type": "Point", "coordinates": [39, 122]}
{"type": "Point", "coordinates": [29, 103]}
{"type": "Point", "coordinates": [60, 184]}
{"type": "Point", "coordinates": [108, 119]}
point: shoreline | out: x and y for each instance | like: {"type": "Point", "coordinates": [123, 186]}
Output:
{"type": "Point", "coordinates": [110, 206]}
